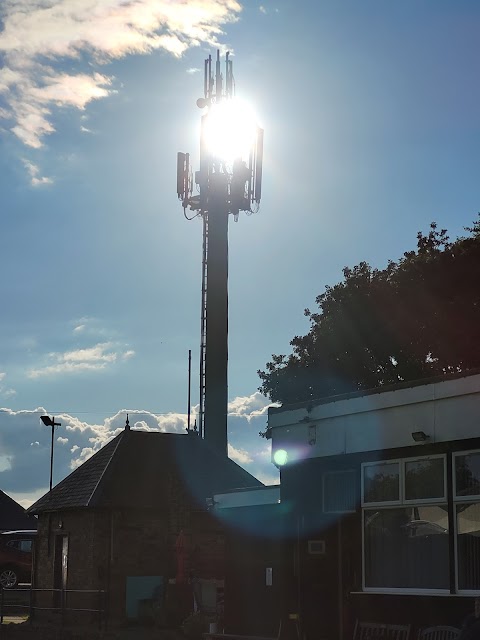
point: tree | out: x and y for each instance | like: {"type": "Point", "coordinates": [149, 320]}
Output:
{"type": "Point", "coordinates": [418, 317]}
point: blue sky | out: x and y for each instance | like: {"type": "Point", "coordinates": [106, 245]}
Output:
{"type": "Point", "coordinates": [372, 131]}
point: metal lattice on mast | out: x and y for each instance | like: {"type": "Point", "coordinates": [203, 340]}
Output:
{"type": "Point", "coordinates": [225, 186]}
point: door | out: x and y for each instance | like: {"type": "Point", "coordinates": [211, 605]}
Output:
{"type": "Point", "coordinates": [320, 583]}
{"type": "Point", "coordinates": [60, 567]}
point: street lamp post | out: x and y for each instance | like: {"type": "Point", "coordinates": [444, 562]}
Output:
{"type": "Point", "coordinates": [50, 422]}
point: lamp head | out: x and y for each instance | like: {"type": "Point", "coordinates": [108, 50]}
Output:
{"type": "Point", "coordinates": [49, 422]}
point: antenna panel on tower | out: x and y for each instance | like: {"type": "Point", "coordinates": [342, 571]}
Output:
{"type": "Point", "coordinates": [257, 188]}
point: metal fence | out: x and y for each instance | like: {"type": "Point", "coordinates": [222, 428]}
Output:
{"type": "Point", "coordinates": [61, 603]}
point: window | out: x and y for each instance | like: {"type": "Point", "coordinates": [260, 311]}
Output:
{"type": "Point", "coordinates": [405, 524]}
{"type": "Point", "coordinates": [467, 475]}
{"type": "Point", "coordinates": [20, 545]}
{"type": "Point", "coordinates": [339, 492]}
{"type": "Point", "coordinates": [466, 496]}
{"type": "Point", "coordinates": [381, 482]}
{"type": "Point", "coordinates": [406, 548]}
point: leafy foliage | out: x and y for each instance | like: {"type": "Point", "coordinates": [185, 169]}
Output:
{"type": "Point", "coordinates": [416, 318]}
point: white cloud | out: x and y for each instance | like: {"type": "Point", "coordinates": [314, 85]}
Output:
{"type": "Point", "coordinates": [262, 9]}
{"type": "Point", "coordinates": [34, 172]}
{"type": "Point", "coordinates": [239, 455]}
{"type": "Point", "coordinates": [27, 498]}
{"type": "Point", "coordinates": [5, 392]}
{"type": "Point", "coordinates": [25, 443]}
{"type": "Point", "coordinates": [79, 328]}
{"type": "Point", "coordinates": [193, 70]}
{"type": "Point", "coordinates": [128, 354]}
{"type": "Point", "coordinates": [249, 407]}
{"type": "Point", "coordinates": [39, 34]}
{"type": "Point", "coordinates": [93, 358]}
{"type": "Point", "coordinates": [269, 478]}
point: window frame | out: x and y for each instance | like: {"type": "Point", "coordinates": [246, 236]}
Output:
{"type": "Point", "coordinates": [386, 502]}
{"type": "Point", "coordinates": [403, 502]}
{"type": "Point", "coordinates": [471, 497]}
{"type": "Point", "coordinates": [456, 500]}
{"type": "Point", "coordinates": [413, 501]}
{"type": "Point", "coordinates": [406, 590]}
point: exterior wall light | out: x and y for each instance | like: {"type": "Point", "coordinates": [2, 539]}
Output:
{"type": "Point", "coordinates": [420, 436]}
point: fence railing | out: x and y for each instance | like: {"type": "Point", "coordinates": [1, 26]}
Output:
{"type": "Point", "coordinates": [61, 606]}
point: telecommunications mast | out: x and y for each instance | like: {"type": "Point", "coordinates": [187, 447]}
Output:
{"type": "Point", "coordinates": [229, 181]}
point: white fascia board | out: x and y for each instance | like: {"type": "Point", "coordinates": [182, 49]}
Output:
{"type": "Point", "coordinates": [376, 401]}
{"type": "Point", "coordinates": [250, 498]}
{"type": "Point", "coordinates": [444, 411]}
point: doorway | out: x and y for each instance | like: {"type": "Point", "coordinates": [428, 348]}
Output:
{"type": "Point", "coordinates": [60, 567]}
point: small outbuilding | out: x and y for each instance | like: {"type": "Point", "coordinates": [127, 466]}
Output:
{"type": "Point", "coordinates": [13, 516]}
{"type": "Point", "coordinates": [383, 488]}
{"type": "Point", "coordinates": [131, 526]}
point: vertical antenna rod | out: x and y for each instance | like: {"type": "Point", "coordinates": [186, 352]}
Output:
{"type": "Point", "coordinates": [189, 387]}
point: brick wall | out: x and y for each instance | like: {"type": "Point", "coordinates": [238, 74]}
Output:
{"type": "Point", "coordinates": [107, 546]}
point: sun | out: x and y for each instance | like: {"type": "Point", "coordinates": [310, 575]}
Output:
{"type": "Point", "coordinates": [230, 129]}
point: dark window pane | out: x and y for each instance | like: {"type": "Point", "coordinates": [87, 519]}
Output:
{"type": "Point", "coordinates": [468, 546]}
{"type": "Point", "coordinates": [381, 482]}
{"type": "Point", "coordinates": [406, 548]}
{"type": "Point", "coordinates": [424, 479]}
{"type": "Point", "coordinates": [339, 492]}
{"type": "Point", "coordinates": [467, 474]}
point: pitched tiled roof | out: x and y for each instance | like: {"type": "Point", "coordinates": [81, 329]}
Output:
{"type": "Point", "coordinates": [13, 515]}
{"type": "Point", "coordinates": [77, 489]}
{"type": "Point", "coordinates": [132, 469]}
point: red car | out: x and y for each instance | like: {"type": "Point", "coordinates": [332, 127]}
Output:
{"type": "Point", "coordinates": [16, 557]}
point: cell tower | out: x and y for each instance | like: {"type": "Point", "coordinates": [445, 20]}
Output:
{"type": "Point", "coordinates": [229, 181]}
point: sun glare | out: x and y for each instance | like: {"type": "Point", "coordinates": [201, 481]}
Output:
{"type": "Point", "coordinates": [280, 457]}
{"type": "Point", "coordinates": [230, 130]}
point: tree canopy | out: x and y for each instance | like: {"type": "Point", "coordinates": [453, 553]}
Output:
{"type": "Point", "coordinates": [419, 317]}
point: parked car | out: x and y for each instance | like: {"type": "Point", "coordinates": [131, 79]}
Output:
{"type": "Point", "coordinates": [16, 557]}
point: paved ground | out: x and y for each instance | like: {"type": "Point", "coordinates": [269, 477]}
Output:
{"type": "Point", "coordinates": [17, 631]}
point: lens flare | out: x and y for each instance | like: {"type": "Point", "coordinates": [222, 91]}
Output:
{"type": "Point", "coordinates": [230, 130]}
{"type": "Point", "coordinates": [280, 457]}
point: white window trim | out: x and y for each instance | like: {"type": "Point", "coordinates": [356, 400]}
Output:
{"type": "Point", "coordinates": [470, 498]}
{"type": "Point", "coordinates": [337, 472]}
{"type": "Point", "coordinates": [401, 478]}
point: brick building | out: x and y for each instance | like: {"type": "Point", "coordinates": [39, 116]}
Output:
{"type": "Point", "coordinates": [13, 515]}
{"type": "Point", "coordinates": [116, 522]}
